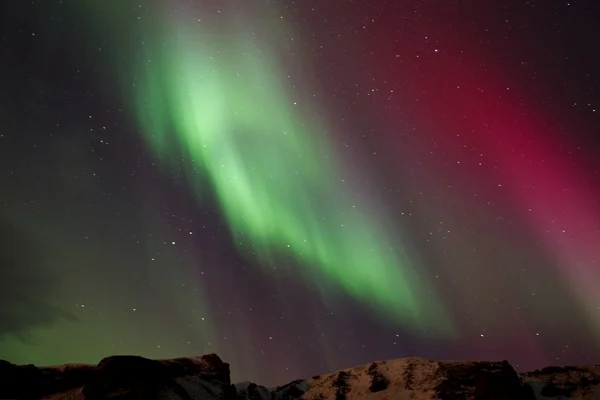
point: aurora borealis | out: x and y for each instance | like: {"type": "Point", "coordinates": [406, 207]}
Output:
{"type": "Point", "coordinates": [299, 187]}
{"type": "Point", "coordinates": [275, 179]}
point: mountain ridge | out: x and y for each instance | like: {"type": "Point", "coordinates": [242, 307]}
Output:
{"type": "Point", "coordinates": [207, 377]}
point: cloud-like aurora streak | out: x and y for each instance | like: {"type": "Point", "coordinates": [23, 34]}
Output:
{"type": "Point", "coordinates": [214, 103]}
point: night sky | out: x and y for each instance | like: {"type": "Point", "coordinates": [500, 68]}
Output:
{"type": "Point", "coordinates": [300, 186]}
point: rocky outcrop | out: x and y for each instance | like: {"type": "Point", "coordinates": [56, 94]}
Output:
{"type": "Point", "coordinates": [558, 383]}
{"type": "Point", "coordinates": [207, 378]}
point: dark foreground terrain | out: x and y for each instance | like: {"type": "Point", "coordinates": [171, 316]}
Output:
{"type": "Point", "coordinates": [207, 377]}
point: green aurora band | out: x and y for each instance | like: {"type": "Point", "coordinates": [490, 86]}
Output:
{"type": "Point", "coordinates": [214, 103]}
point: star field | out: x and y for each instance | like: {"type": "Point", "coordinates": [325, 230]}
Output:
{"type": "Point", "coordinates": [299, 186]}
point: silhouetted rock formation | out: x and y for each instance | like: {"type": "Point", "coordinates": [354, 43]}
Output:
{"type": "Point", "coordinates": [122, 378]}
{"type": "Point", "coordinates": [207, 378]}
